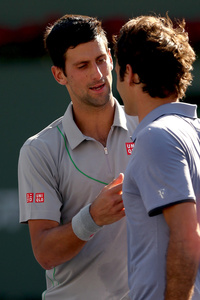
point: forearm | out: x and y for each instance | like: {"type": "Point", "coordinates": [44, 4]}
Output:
{"type": "Point", "coordinates": [183, 252]}
{"type": "Point", "coordinates": [182, 265]}
{"type": "Point", "coordinates": [55, 245]}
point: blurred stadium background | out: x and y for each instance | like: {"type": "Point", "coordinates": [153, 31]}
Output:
{"type": "Point", "coordinates": [31, 99]}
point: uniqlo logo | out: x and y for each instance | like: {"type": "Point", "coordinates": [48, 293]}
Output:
{"type": "Point", "coordinates": [129, 148]}
{"type": "Point", "coordinates": [29, 197]}
{"type": "Point", "coordinates": [39, 197]}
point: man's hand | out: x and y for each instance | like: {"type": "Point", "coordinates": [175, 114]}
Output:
{"type": "Point", "coordinates": [108, 206]}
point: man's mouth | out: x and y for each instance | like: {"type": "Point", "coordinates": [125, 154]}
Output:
{"type": "Point", "coordinates": [97, 87]}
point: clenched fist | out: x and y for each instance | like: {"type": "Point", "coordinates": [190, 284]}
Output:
{"type": "Point", "coordinates": [108, 207]}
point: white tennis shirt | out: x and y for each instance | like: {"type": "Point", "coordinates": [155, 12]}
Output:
{"type": "Point", "coordinates": [60, 171]}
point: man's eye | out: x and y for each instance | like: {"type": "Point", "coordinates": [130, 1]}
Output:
{"type": "Point", "coordinates": [81, 66]}
{"type": "Point", "coordinates": [101, 60]}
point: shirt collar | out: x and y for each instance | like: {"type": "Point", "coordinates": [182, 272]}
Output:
{"type": "Point", "coordinates": [73, 133]}
{"type": "Point", "coordinates": [178, 108]}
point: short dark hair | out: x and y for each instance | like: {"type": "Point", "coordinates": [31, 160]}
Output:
{"type": "Point", "coordinates": [68, 32]}
{"type": "Point", "coordinates": [158, 52]}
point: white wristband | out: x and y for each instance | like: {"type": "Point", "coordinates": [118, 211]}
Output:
{"type": "Point", "coordinates": [83, 225]}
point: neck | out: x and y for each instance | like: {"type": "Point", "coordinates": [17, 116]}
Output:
{"type": "Point", "coordinates": [95, 122]}
{"type": "Point", "coordinates": [150, 104]}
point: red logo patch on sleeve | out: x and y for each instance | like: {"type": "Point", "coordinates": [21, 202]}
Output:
{"type": "Point", "coordinates": [29, 197]}
{"type": "Point", "coordinates": [39, 197]}
{"type": "Point", "coordinates": [129, 148]}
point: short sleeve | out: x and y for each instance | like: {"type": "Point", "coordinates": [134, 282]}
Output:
{"type": "Point", "coordinates": [163, 175]}
{"type": "Point", "coordinates": [39, 197]}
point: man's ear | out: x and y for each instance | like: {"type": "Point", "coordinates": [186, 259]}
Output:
{"type": "Point", "coordinates": [59, 75]}
{"type": "Point", "coordinates": [130, 76]}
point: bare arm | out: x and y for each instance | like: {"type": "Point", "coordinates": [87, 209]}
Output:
{"type": "Point", "coordinates": [54, 244]}
{"type": "Point", "coordinates": [183, 251]}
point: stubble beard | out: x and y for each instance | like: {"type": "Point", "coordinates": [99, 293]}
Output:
{"type": "Point", "coordinates": [98, 101]}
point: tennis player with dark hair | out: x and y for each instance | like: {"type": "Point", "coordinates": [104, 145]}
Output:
{"type": "Point", "coordinates": [70, 181]}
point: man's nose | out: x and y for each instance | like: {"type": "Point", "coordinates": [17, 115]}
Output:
{"type": "Point", "coordinates": [96, 72]}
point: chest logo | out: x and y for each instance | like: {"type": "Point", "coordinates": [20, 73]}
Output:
{"type": "Point", "coordinates": [129, 148]}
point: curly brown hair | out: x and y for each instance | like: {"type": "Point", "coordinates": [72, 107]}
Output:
{"type": "Point", "coordinates": [159, 52]}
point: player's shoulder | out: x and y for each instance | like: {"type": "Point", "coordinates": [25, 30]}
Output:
{"type": "Point", "coordinates": [47, 135]}
{"type": "Point", "coordinates": [154, 135]}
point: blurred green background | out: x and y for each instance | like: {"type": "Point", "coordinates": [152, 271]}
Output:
{"type": "Point", "coordinates": [31, 99]}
